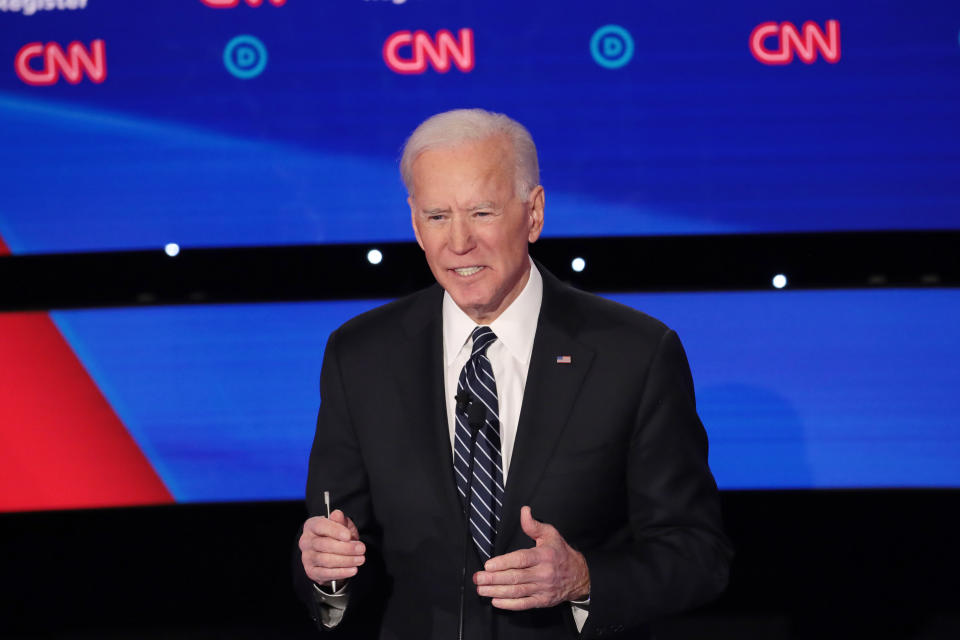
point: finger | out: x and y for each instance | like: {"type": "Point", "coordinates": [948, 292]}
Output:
{"type": "Point", "coordinates": [332, 560]}
{"type": "Point", "coordinates": [508, 591]}
{"type": "Point", "coordinates": [520, 559]}
{"type": "Point", "coordinates": [332, 545]}
{"type": "Point", "coordinates": [322, 526]}
{"type": "Point", "coordinates": [533, 528]}
{"type": "Point", "coordinates": [508, 576]}
{"type": "Point", "coordinates": [505, 577]}
{"type": "Point", "coordinates": [519, 604]}
{"type": "Point", "coordinates": [312, 542]}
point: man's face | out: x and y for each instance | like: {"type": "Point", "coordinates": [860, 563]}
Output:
{"type": "Point", "coordinates": [472, 226]}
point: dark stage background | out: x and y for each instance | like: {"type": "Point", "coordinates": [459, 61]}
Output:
{"type": "Point", "coordinates": [190, 192]}
{"type": "Point", "coordinates": [828, 564]}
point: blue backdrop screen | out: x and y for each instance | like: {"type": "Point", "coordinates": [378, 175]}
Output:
{"type": "Point", "coordinates": [217, 123]}
{"type": "Point", "coordinates": [799, 389]}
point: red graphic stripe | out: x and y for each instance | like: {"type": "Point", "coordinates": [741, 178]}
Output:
{"type": "Point", "coordinates": [61, 444]}
{"type": "Point", "coordinates": [3, 248]}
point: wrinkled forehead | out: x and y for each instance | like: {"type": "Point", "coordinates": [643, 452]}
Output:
{"type": "Point", "coordinates": [490, 160]}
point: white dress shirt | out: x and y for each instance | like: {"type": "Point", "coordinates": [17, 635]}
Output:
{"type": "Point", "coordinates": [509, 356]}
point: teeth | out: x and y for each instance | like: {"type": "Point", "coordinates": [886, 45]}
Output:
{"type": "Point", "coordinates": [468, 271]}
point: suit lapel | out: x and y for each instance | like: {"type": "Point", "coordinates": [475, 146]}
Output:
{"type": "Point", "coordinates": [550, 393]}
{"type": "Point", "coordinates": [419, 374]}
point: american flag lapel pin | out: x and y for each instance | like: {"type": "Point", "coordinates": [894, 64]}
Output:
{"type": "Point", "coordinates": [564, 360]}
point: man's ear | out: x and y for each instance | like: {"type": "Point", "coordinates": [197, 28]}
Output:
{"type": "Point", "coordinates": [413, 219]}
{"type": "Point", "coordinates": [535, 203]}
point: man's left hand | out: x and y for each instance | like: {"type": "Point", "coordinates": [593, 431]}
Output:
{"type": "Point", "coordinates": [542, 576]}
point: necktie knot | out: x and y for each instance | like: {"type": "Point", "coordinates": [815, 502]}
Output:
{"type": "Point", "coordinates": [483, 337]}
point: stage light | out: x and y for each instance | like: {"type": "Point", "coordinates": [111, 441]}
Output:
{"type": "Point", "coordinates": [171, 249]}
{"type": "Point", "coordinates": [779, 281]}
{"type": "Point", "coordinates": [374, 256]}
{"type": "Point", "coordinates": [578, 264]}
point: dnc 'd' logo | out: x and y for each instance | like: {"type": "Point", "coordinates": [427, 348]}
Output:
{"type": "Point", "coordinates": [245, 56]}
{"type": "Point", "coordinates": [611, 46]}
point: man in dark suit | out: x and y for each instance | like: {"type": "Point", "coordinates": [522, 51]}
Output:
{"type": "Point", "coordinates": [509, 457]}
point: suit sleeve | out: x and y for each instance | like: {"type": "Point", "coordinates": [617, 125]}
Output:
{"type": "Point", "coordinates": [336, 465]}
{"type": "Point", "coordinates": [675, 555]}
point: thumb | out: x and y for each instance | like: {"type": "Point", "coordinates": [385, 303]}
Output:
{"type": "Point", "coordinates": [354, 533]}
{"type": "Point", "coordinates": [533, 528]}
{"type": "Point", "coordinates": [341, 518]}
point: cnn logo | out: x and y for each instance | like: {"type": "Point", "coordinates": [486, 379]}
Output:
{"type": "Point", "coordinates": [410, 52]}
{"type": "Point", "coordinates": [55, 63]}
{"type": "Point", "coordinates": [789, 41]}
{"type": "Point", "coordinates": [230, 4]}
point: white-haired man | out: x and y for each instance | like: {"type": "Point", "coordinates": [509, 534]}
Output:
{"type": "Point", "coordinates": [509, 457]}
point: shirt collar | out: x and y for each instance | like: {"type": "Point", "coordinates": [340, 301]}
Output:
{"type": "Point", "coordinates": [515, 327]}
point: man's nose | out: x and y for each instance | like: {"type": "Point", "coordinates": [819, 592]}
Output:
{"type": "Point", "coordinates": [461, 236]}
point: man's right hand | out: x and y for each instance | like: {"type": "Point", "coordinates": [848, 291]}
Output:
{"type": "Point", "coordinates": [330, 548]}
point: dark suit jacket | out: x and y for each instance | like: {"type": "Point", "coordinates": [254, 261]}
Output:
{"type": "Point", "coordinates": [609, 450]}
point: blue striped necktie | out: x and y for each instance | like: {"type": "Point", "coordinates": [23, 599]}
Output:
{"type": "Point", "coordinates": [483, 460]}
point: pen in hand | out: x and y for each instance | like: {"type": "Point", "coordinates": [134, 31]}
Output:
{"type": "Point", "coordinates": [326, 503]}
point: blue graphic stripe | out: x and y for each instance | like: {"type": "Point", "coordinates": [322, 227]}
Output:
{"type": "Point", "coordinates": [797, 389]}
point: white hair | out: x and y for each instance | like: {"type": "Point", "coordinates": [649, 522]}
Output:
{"type": "Point", "coordinates": [452, 128]}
